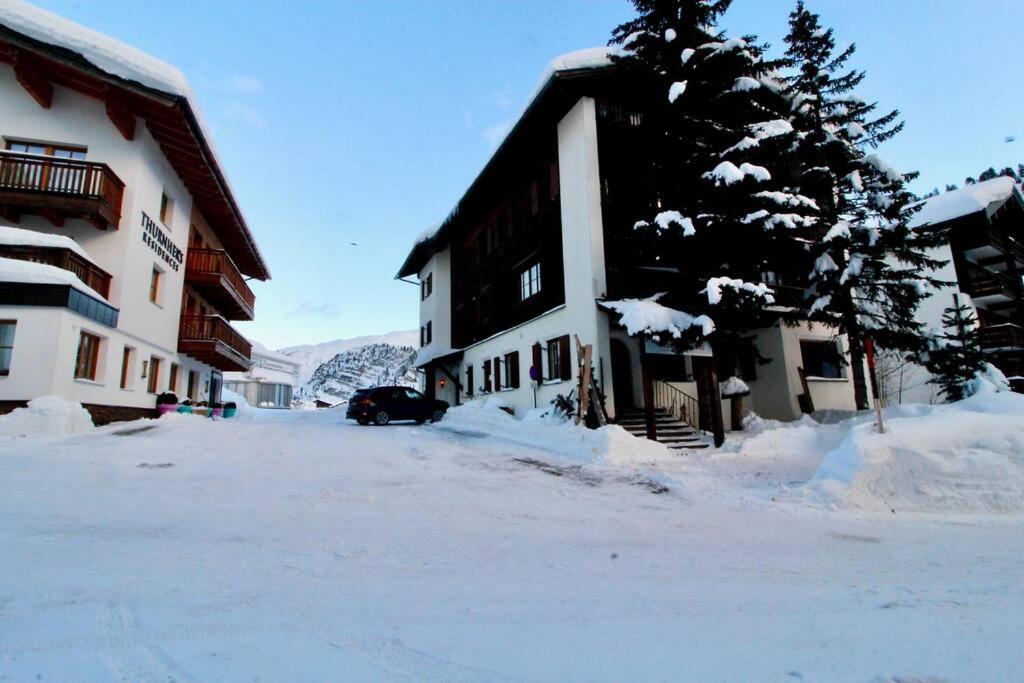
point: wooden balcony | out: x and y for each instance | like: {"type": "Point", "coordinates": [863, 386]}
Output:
{"type": "Point", "coordinates": [993, 289]}
{"type": "Point", "coordinates": [213, 274]}
{"type": "Point", "coordinates": [1001, 337]}
{"type": "Point", "coordinates": [989, 244]}
{"type": "Point", "coordinates": [88, 272]}
{"type": "Point", "coordinates": [59, 188]}
{"type": "Point", "coordinates": [211, 340]}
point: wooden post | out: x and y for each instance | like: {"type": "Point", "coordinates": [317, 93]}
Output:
{"type": "Point", "coordinates": [584, 353]}
{"type": "Point", "coordinates": [652, 427]}
{"type": "Point", "coordinates": [717, 422]}
{"type": "Point", "coordinates": [869, 348]}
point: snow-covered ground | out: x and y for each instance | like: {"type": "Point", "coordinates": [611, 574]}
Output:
{"type": "Point", "coordinates": [293, 546]}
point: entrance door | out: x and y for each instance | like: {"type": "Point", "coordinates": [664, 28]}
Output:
{"type": "Point", "coordinates": [702, 374]}
{"type": "Point", "coordinates": [216, 382]}
{"type": "Point", "coordinates": [622, 376]}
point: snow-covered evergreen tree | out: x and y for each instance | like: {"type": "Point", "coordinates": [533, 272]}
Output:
{"type": "Point", "coordinates": [721, 172]}
{"type": "Point", "coordinates": [870, 268]}
{"type": "Point", "coordinates": [955, 357]}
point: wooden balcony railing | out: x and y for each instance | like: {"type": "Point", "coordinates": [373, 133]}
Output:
{"type": "Point", "coordinates": [996, 239]}
{"type": "Point", "coordinates": [1005, 336]}
{"type": "Point", "coordinates": [210, 339]}
{"type": "Point", "coordinates": [214, 273]}
{"type": "Point", "coordinates": [989, 285]}
{"type": "Point", "coordinates": [66, 187]}
{"type": "Point", "coordinates": [88, 272]}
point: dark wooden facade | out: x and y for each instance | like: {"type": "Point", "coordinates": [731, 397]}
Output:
{"type": "Point", "coordinates": [211, 340]}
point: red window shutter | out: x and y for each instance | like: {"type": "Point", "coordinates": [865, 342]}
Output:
{"type": "Point", "coordinates": [487, 375]}
{"type": "Point", "coordinates": [497, 374]}
{"type": "Point", "coordinates": [538, 362]}
{"type": "Point", "coordinates": [564, 359]}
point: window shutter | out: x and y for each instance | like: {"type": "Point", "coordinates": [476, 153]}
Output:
{"type": "Point", "coordinates": [513, 368]}
{"type": "Point", "coordinates": [497, 374]}
{"type": "Point", "coordinates": [538, 362]}
{"type": "Point", "coordinates": [564, 359]}
{"type": "Point", "coordinates": [487, 375]}
{"type": "Point", "coordinates": [469, 381]}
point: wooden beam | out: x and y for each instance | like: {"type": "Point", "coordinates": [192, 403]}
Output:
{"type": "Point", "coordinates": [32, 81]}
{"type": "Point", "coordinates": [55, 218]}
{"type": "Point", "coordinates": [119, 113]}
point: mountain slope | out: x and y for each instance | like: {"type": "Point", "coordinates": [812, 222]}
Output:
{"type": "Point", "coordinates": [365, 366]}
{"type": "Point", "coordinates": [312, 356]}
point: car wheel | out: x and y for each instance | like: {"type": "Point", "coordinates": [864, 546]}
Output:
{"type": "Point", "coordinates": [382, 418]}
{"type": "Point", "coordinates": [437, 416]}
{"type": "Point", "coordinates": [363, 421]}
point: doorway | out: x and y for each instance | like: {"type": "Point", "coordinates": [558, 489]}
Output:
{"type": "Point", "coordinates": [622, 376]}
{"type": "Point", "coordinates": [703, 370]}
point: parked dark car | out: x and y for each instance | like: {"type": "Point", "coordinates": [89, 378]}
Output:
{"type": "Point", "coordinates": [382, 405]}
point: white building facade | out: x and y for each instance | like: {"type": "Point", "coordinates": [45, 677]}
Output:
{"type": "Point", "coordinates": [107, 176]}
{"type": "Point", "coordinates": [519, 269]}
{"type": "Point", "coordinates": [271, 381]}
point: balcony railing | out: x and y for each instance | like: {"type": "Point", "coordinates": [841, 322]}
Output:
{"type": "Point", "coordinates": [72, 188]}
{"type": "Point", "coordinates": [213, 273]}
{"type": "Point", "coordinates": [992, 285]}
{"type": "Point", "coordinates": [210, 339]}
{"type": "Point", "coordinates": [88, 272]}
{"type": "Point", "coordinates": [1005, 336]}
{"type": "Point", "coordinates": [992, 241]}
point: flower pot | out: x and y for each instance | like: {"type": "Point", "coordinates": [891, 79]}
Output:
{"type": "Point", "coordinates": [165, 408]}
{"type": "Point", "coordinates": [229, 412]}
{"type": "Point", "coordinates": [218, 412]}
{"type": "Point", "coordinates": [187, 410]}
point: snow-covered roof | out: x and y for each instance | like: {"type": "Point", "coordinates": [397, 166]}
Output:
{"type": "Point", "coordinates": [647, 316]}
{"type": "Point", "coordinates": [589, 58]}
{"type": "Point", "coordinates": [965, 201]}
{"type": "Point", "coordinates": [432, 353]}
{"type": "Point", "coordinates": [27, 272]}
{"type": "Point", "coordinates": [261, 350]}
{"type": "Point", "coordinates": [103, 52]}
{"type": "Point", "coordinates": [11, 236]}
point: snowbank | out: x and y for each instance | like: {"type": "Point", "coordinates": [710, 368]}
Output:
{"type": "Point", "coordinates": [966, 457]}
{"type": "Point", "coordinates": [46, 416]}
{"type": "Point", "coordinates": [541, 428]}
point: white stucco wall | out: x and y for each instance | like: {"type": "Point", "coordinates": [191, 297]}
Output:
{"type": "Point", "coordinates": [152, 329]}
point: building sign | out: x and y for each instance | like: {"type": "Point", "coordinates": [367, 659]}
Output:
{"type": "Point", "coordinates": [160, 243]}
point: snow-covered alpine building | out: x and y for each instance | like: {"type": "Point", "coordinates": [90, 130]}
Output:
{"type": "Point", "coordinates": [523, 263]}
{"type": "Point", "coordinates": [123, 253]}
{"type": "Point", "coordinates": [270, 382]}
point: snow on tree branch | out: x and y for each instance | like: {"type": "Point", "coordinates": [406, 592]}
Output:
{"type": "Point", "coordinates": [647, 316]}
{"type": "Point", "coordinates": [717, 284]}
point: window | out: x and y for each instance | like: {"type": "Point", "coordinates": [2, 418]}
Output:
{"type": "Point", "coordinates": [559, 360]}
{"type": "Point", "coordinates": [529, 282]}
{"type": "Point", "coordinates": [426, 334]}
{"type": "Point", "coordinates": [192, 377]}
{"type": "Point", "coordinates": [469, 381]}
{"type": "Point", "coordinates": [821, 359]}
{"type": "Point", "coordinates": [512, 370]}
{"type": "Point", "coordinates": [154, 286]}
{"type": "Point", "coordinates": [6, 346]}
{"type": "Point", "coordinates": [88, 354]}
{"type": "Point", "coordinates": [126, 364]}
{"type": "Point", "coordinates": [172, 385]}
{"type": "Point", "coordinates": [166, 209]}
{"type": "Point", "coordinates": [410, 394]}
{"type": "Point", "coordinates": [427, 287]}
{"type": "Point", "coordinates": [154, 375]}
{"type": "Point", "coordinates": [430, 331]}
{"type": "Point", "coordinates": [61, 151]}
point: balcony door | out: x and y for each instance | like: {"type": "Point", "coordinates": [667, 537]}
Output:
{"type": "Point", "coordinates": [50, 177]}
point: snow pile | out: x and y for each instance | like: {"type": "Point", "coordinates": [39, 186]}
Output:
{"type": "Point", "coordinates": [27, 272]}
{"type": "Point", "coordinates": [965, 201]}
{"type": "Point", "coordinates": [647, 316]}
{"type": "Point", "coordinates": [543, 429]}
{"type": "Point", "coordinates": [734, 386]}
{"type": "Point", "coordinates": [46, 416]}
{"type": "Point", "coordinates": [964, 457]}
{"type": "Point", "coordinates": [19, 237]}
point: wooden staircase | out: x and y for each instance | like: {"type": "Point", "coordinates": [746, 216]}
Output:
{"type": "Point", "coordinates": [671, 430]}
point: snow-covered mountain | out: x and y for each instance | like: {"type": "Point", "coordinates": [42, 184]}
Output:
{"type": "Point", "coordinates": [339, 367]}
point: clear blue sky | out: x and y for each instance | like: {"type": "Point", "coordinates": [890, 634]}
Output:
{"type": "Point", "coordinates": [364, 121]}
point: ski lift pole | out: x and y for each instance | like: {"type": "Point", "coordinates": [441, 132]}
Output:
{"type": "Point", "coordinates": [869, 349]}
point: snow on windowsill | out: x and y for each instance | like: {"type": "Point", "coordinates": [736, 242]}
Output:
{"type": "Point", "coordinates": [92, 382]}
{"type": "Point", "coordinates": [826, 379]}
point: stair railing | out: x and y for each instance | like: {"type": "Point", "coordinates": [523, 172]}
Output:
{"type": "Point", "coordinates": [677, 403]}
